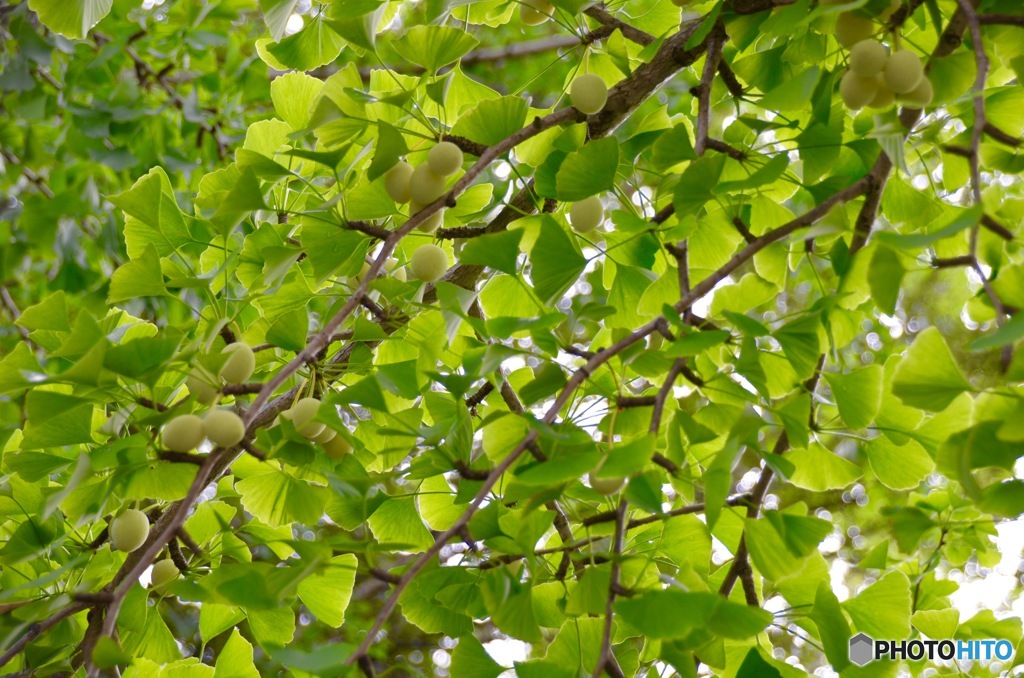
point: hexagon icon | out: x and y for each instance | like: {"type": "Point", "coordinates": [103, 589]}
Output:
{"type": "Point", "coordinates": [861, 649]}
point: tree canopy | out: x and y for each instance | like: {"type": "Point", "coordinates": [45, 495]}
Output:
{"type": "Point", "coordinates": [421, 337]}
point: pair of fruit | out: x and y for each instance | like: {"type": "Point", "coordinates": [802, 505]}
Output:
{"type": "Point", "coordinates": [186, 432]}
{"type": "Point", "coordinates": [424, 184]}
{"type": "Point", "coordinates": [877, 79]}
{"type": "Point", "coordinates": [238, 367]}
{"type": "Point", "coordinates": [128, 532]}
{"type": "Point", "coordinates": [303, 417]}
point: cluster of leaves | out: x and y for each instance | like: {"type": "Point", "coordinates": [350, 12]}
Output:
{"type": "Point", "coordinates": [793, 337]}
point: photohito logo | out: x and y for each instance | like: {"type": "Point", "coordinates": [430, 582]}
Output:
{"type": "Point", "coordinates": [864, 649]}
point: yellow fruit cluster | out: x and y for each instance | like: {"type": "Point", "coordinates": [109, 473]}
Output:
{"type": "Point", "coordinates": [424, 184]}
{"type": "Point", "coordinates": [303, 415]}
{"type": "Point", "coordinates": [186, 432]}
{"type": "Point", "coordinates": [878, 79]}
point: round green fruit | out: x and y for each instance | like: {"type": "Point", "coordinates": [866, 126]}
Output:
{"type": "Point", "coordinates": [857, 91]}
{"type": "Point", "coordinates": [184, 433]}
{"type": "Point", "coordinates": [128, 531]}
{"type": "Point", "coordinates": [224, 428]}
{"type": "Point", "coordinates": [396, 182]}
{"type": "Point", "coordinates": [428, 263]}
{"type": "Point", "coordinates": [587, 214]}
{"type": "Point", "coordinates": [868, 58]}
{"type": "Point", "coordinates": [606, 486]}
{"type": "Point", "coordinates": [588, 94]}
{"type": "Point", "coordinates": [431, 223]}
{"type": "Point", "coordinates": [203, 385]}
{"type": "Point", "coordinates": [921, 96]}
{"type": "Point", "coordinates": [337, 447]}
{"type": "Point", "coordinates": [424, 186]}
{"type": "Point", "coordinates": [303, 414]}
{"type": "Point", "coordinates": [904, 71]}
{"type": "Point", "coordinates": [884, 98]}
{"type": "Point", "coordinates": [164, 571]}
{"type": "Point", "coordinates": [324, 436]}
{"type": "Point", "coordinates": [851, 29]}
{"type": "Point", "coordinates": [241, 362]}
{"type": "Point", "coordinates": [445, 159]}
{"type": "Point", "coordinates": [535, 12]}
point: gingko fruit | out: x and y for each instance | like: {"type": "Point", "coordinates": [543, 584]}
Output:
{"type": "Point", "coordinates": [588, 93]}
{"type": "Point", "coordinates": [883, 95]}
{"type": "Point", "coordinates": [587, 214]}
{"type": "Point", "coordinates": [128, 531]}
{"type": "Point", "coordinates": [164, 571]}
{"type": "Point", "coordinates": [857, 91]}
{"type": "Point", "coordinates": [224, 428]}
{"type": "Point", "coordinates": [241, 362]}
{"type": "Point", "coordinates": [324, 437]}
{"type": "Point", "coordinates": [445, 159]}
{"type": "Point", "coordinates": [605, 486]}
{"type": "Point", "coordinates": [428, 263]}
{"type": "Point", "coordinates": [302, 415]}
{"type": "Point", "coordinates": [535, 12]}
{"type": "Point", "coordinates": [184, 433]}
{"type": "Point", "coordinates": [424, 186]}
{"type": "Point", "coordinates": [904, 71]}
{"type": "Point", "coordinates": [203, 385]}
{"type": "Point", "coordinates": [396, 182]}
{"type": "Point", "coordinates": [920, 96]}
{"type": "Point", "coordinates": [431, 223]}
{"type": "Point", "coordinates": [851, 29]}
{"type": "Point", "coordinates": [337, 447]}
{"type": "Point", "coordinates": [868, 57]}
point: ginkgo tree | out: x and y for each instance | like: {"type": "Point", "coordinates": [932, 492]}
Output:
{"type": "Point", "coordinates": [374, 337]}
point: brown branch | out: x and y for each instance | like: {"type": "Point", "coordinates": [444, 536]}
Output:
{"type": "Point", "coordinates": [664, 393]}
{"type": "Point", "coordinates": [732, 83]}
{"type": "Point", "coordinates": [999, 135]}
{"type": "Point", "coordinates": [180, 457]}
{"type": "Point", "coordinates": [34, 630]}
{"type": "Point", "coordinates": [245, 388]}
{"type": "Point", "coordinates": [14, 312]}
{"type": "Point", "coordinates": [369, 229]}
{"type": "Point", "coordinates": [470, 473]}
{"type": "Point", "coordinates": [716, 40]}
{"type": "Point", "coordinates": [627, 402]}
{"type": "Point", "coordinates": [478, 397]}
{"type": "Point", "coordinates": [177, 556]}
{"type": "Point", "coordinates": [248, 446]}
{"type": "Point", "coordinates": [953, 262]}
{"type": "Point", "coordinates": [1001, 19]}
{"type": "Point", "coordinates": [605, 657]}
{"type": "Point", "coordinates": [464, 144]}
{"type": "Point", "coordinates": [995, 227]}
{"type": "Point", "coordinates": [601, 14]}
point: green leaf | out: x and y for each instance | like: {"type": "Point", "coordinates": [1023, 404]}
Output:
{"type": "Point", "coordinates": [49, 314]}
{"type": "Point", "coordinates": [936, 624]}
{"type": "Point", "coordinates": [140, 277]}
{"type": "Point", "coordinates": [858, 394]}
{"type": "Point", "coordinates": [277, 498]}
{"type": "Point", "coordinates": [55, 419]}
{"type": "Point", "coordinates": [928, 378]}
{"type": "Point", "coordinates": [555, 263]}
{"type": "Point", "coordinates": [327, 594]}
{"type": "Point", "coordinates": [697, 184]}
{"type": "Point", "coordinates": [499, 251]}
{"type": "Point", "coordinates": [963, 220]}
{"type": "Point", "coordinates": [493, 119]}
{"type": "Point", "coordinates": [793, 93]}
{"type": "Point", "coordinates": [276, 14]}
{"type": "Point", "coordinates": [833, 628]}
{"type": "Point", "coordinates": [470, 660]}
{"type": "Point", "coordinates": [390, 147]}
{"type": "Point", "coordinates": [434, 46]}
{"type": "Point", "coordinates": [1009, 333]}
{"type": "Point", "coordinates": [588, 171]}
{"type": "Point", "coordinates": [294, 95]}
{"type": "Point", "coordinates": [235, 659]}
{"type": "Point", "coordinates": [818, 469]}
{"type": "Point", "coordinates": [672, 148]}
{"type": "Point", "coordinates": [765, 174]}
{"type": "Point", "coordinates": [70, 18]}
{"type": "Point", "coordinates": [882, 610]}
{"type": "Point", "coordinates": [799, 341]}
{"type": "Point", "coordinates": [315, 45]}
{"type": "Point", "coordinates": [801, 534]}
{"type": "Point", "coordinates": [153, 218]}
{"type": "Point", "coordinates": [397, 523]}
{"type": "Point", "coordinates": [885, 274]}
{"type": "Point", "coordinates": [899, 467]}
